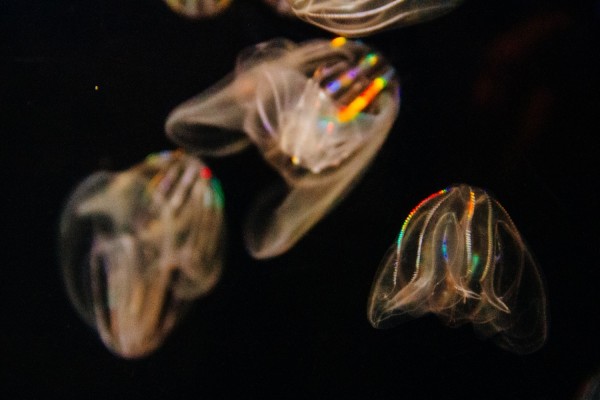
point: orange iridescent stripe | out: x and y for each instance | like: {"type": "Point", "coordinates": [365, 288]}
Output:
{"type": "Point", "coordinates": [350, 112]}
{"type": "Point", "coordinates": [468, 243]}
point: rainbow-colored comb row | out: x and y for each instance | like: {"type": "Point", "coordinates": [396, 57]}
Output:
{"type": "Point", "coordinates": [350, 112]}
{"type": "Point", "coordinates": [346, 80]}
{"type": "Point", "coordinates": [366, 97]}
{"type": "Point", "coordinates": [412, 213]}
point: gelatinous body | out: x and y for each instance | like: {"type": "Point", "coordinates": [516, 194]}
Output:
{"type": "Point", "coordinates": [460, 256]}
{"type": "Point", "coordinates": [318, 111]}
{"type": "Point", "coordinates": [198, 8]}
{"type": "Point", "coordinates": [138, 246]}
{"type": "Point", "coordinates": [353, 18]}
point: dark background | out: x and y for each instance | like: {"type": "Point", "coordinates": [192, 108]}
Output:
{"type": "Point", "coordinates": [502, 94]}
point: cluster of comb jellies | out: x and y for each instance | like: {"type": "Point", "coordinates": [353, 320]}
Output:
{"type": "Point", "coordinates": [460, 256]}
{"type": "Point", "coordinates": [318, 112]}
{"type": "Point", "coordinates": [138, 246]}
{"type": "Point", "coordinates": [350, 18]}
